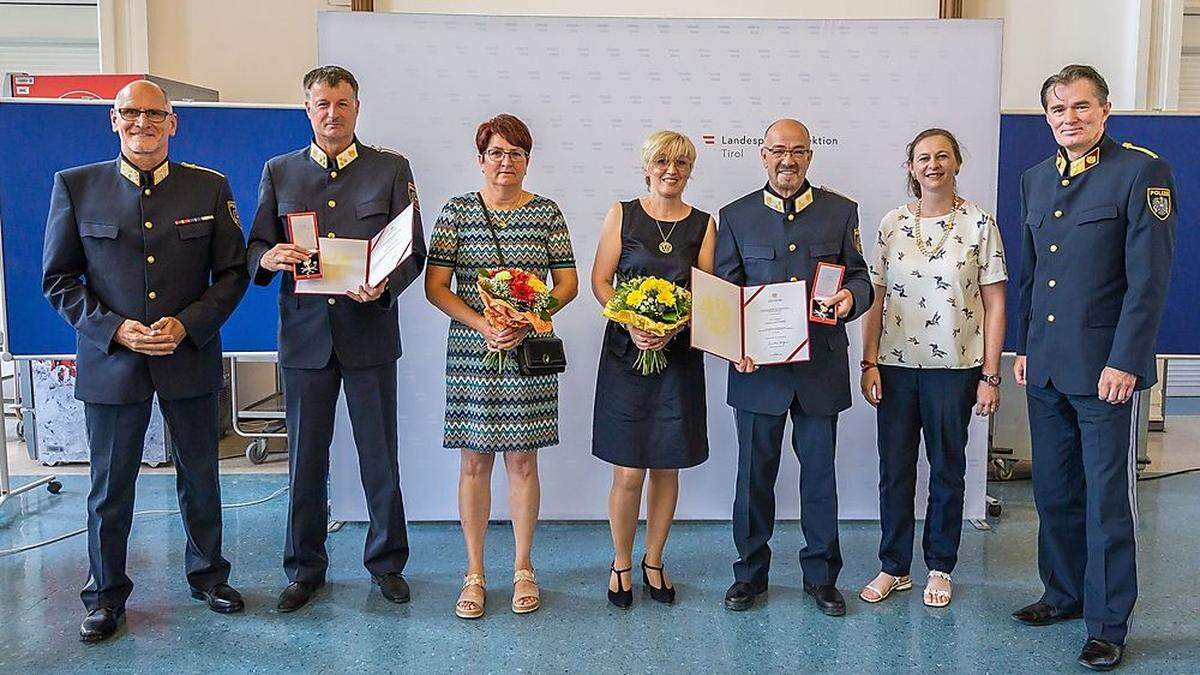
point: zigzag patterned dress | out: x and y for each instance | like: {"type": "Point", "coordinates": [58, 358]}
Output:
{"type": "Point", "coordinates": [488, 411]}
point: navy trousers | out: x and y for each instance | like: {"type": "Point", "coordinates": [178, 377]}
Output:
{"type": "Point", "coordinates": [116, 436]}
{"type": "Point", "coordinates": [310, 398]}
{"type": "Point", "coordinates": [1084, 484]}
{"type": "Point", "coordinates": [935, 403]}
{"type": "Point", "coordinates": [760, 443]}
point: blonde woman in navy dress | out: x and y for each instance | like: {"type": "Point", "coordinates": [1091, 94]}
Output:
{"type": "Point", "coordinates": [650, 424]}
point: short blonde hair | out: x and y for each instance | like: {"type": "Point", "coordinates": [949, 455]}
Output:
{"type": "Point", "coordinates": [669, 145]}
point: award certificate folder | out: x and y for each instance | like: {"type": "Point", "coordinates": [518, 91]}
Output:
{"type": "Point", "coordinates": [768, 323]}
{"type": "Point", "coordinates": [347, 264]}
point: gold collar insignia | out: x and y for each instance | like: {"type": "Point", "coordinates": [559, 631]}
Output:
{"type": "Point", "coordinates": [799, 203]}
{"type": "Point", "coordinates": [316, 154]}
{"type": "Point", "coordinates": [134, 174]}
{"type": "Point", "coordinates": [1072, 168]}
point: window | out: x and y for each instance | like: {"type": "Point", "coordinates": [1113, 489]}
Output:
{"type": "Point", "coordinates": [49, 36]}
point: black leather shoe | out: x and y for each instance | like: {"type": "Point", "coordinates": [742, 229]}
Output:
{"type": "Point", "coordinates": [1043, 614]}
{"type": "Point", "coordinates": [296, 595]}
{"type": "Point", "coordinates": [828, 598]}
{"type": "Point", "coordinates": [222, 599]}
{"type": "Point", "coordinates": [741, 595]}
{"type": "Point", "coordinates": [100, 624]}
{"type": "Point", "coordinates": [1101, 654]}
{"type": "Point", "coordinates": [393, 587]}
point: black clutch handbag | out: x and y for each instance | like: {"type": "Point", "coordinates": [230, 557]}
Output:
{"type": "Point", "coordinates": [535, 355]}
{"type": "Point", "coordinates": [541, 356]}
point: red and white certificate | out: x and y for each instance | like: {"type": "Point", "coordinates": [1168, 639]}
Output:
{"type": "Point", "coordinates": [768, 323]}
{"type": "Point", "coordinates": [347, 264]}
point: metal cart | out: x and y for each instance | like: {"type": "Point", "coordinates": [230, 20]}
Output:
{"type": "Point", "coordinates": [258, 421]}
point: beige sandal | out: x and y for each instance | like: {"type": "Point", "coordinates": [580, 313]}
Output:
{"type": "Point", "coordinates": [470, 609]}
{"type": "Point", "coordinates": [937, 597]}
{"type": "Point", "coordinates": [520, 603]}
{"type": "Point", "coordinates": [897, 584]}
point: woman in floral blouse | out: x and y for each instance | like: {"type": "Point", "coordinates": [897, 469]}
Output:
{"type": "Point", "coordinates": [931, 354]}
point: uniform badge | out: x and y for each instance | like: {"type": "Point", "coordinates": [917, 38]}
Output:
{"type": "Point", "coordinates": [412, 196]}
{"type": "Point", "coordinates": [1159, 201]}
{"type": "Point", "coordinates": [233, 213]}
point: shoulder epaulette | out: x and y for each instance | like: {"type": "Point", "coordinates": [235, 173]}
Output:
{"type": "Point", "coordinates": [1131, 146]}
{"type": "Point", "coordinates": [389, 151]}
{"type": "Point", "coordinates": [830, 190]}
{"type": "Point", "coordinates": [202, 168]}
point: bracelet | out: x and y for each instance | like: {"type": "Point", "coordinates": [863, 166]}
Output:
{"type": "Point", "coordinates": [867, 365]}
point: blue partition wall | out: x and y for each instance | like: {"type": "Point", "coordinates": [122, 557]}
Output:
{"type": "Point", "coordinates": [42, 138]}
{"type": "Point", "coordinates": [1025, 140]}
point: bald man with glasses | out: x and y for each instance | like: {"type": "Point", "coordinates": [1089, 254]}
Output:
{"type": "Point", "coordinates": [145, 258]}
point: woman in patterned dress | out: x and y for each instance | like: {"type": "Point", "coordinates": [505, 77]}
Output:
{"type": "Point", "coordinates": [655, 424]}
{"type": "Point", "coordinates": [931, 353]}
{"type": "Point", "coordinates": [489, 412]}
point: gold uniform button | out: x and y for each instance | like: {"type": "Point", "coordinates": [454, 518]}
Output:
{"type": "Point", "coordinates": [791, 247]}
{"type": "Point", "coordinates": [150, 259]}
{"type": "Point", "coordinates": [1054, 248]}
{"type": "Point", "coordinates": [1058, 214]}
{"type": "Point", "coordinates": [332, 203]}
{"type": "Point", "coordinates": [1052, 283]}
{"type": "Point", "coordinates": [791, 216]}
{"type": "Point", "coordinates": [1065, 182]}
{"type": "Point", "coordinates": [793, 279]}
{"type": "Point", "coordinates": [331, 235]}
{"type": "Point", "coordinates": [146, 192]}
{"type": "Point", "coordinates": [1050, 318]}
{"type": "Point", "coordinates": [149, 225]}
{"type": "Point", "coordinates": [152, 295]}
{"type": "Point", "coordinates": [333, 174]}
{"type": "Point", "coordinates": [332, 301]}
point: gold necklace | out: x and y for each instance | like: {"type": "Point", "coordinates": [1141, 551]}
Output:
{"type": "Point", "coordinates": [665, 246]}
{"type": "Point", "coordinates": [946, 228]}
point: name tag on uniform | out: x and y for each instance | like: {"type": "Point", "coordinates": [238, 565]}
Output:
{"type": "Point", "coordinates": [197, 219]}
{"type": "Point", "coordinates": [302, 230]}
{"type": "Point", "coordinates": [826, 283]}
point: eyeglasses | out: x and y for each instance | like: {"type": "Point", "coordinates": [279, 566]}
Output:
{"type": "Point", "coordinates": [798, 153]}
{"type": "Point", "coordinates": [132, 114]}
{"type": "Point", "coordinates": [497, 155]}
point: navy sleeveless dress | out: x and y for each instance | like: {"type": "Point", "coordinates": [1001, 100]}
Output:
{"type": "Point", "coordinates": [657, 421]}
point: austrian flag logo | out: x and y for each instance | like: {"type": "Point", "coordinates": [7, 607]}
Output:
{"type": "Point", "coordinates": [709, 139]}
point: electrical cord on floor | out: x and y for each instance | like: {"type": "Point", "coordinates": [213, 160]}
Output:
{"type": "Point", "coordinates": [137, 514]}
{"type": "Point", "coordinates": [1157, 476]}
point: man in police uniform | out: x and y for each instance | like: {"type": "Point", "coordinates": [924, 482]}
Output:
{"type": "Point", "coordinates": [777, 234]}
{"type": "Point", "coordinates": [145, 259]}
{"type": "Point", "coordinates": [1099, 228]}
{"type": "Point", "coordinates": [324, 341]}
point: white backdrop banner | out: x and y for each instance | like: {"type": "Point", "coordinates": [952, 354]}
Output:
{"type": "Point", "coordinates": [591, 90]}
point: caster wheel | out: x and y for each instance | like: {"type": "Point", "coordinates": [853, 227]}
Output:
{"type": "Point", "coordinates": [256, 451]}
{"type": "Point", "coordinates": [54, 487]}
{"type": "Point", "coordinates": [21, 429]}
{"type": "Point", "coordinates": [993, 510]}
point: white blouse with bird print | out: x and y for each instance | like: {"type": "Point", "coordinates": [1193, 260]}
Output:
{"type": "Point", "coordinates": [932, 306]}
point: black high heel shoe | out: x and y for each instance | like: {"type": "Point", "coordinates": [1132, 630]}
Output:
{"type": "Point", "coordinates": [665, 595]}
{"type": "Point", "coordinates": [624, 597]}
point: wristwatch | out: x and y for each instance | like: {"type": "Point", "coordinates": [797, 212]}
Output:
{"type": "Point", "coordinates": [993, 380]}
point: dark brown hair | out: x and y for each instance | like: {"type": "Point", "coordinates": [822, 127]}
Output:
{"type": "Point", "coordinates": [1071, 73]}
{"type": "Point", "coordinates": [330, 76]}
{"type": "Point", "coordinates": [914, 188]}
{"type": "Point", "coordinates": [510, 129]}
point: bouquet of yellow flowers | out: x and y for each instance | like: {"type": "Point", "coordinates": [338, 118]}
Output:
{"type": "Point", "coordinates": [654, 305]}
{"type": "Point", "coordinates": [513, 298]}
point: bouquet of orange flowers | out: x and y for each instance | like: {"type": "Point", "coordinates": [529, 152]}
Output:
{"type": "Point", "coordinates": [513, 298]}
{"type": "Point", "coordinates": [654, 305]}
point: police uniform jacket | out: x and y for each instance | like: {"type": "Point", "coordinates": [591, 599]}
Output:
{"type": "Point", "coordinates": [764, 239]}
{"type": "Point", "coordinates": [128, 244]}
{"type": "Point", "coordinates": [356, 195]}
{"type": "Point", "coordinates": [1098, 240]}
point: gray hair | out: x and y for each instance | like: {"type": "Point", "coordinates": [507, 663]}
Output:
{"type": "Point", "coordinates": [1070, 74]}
